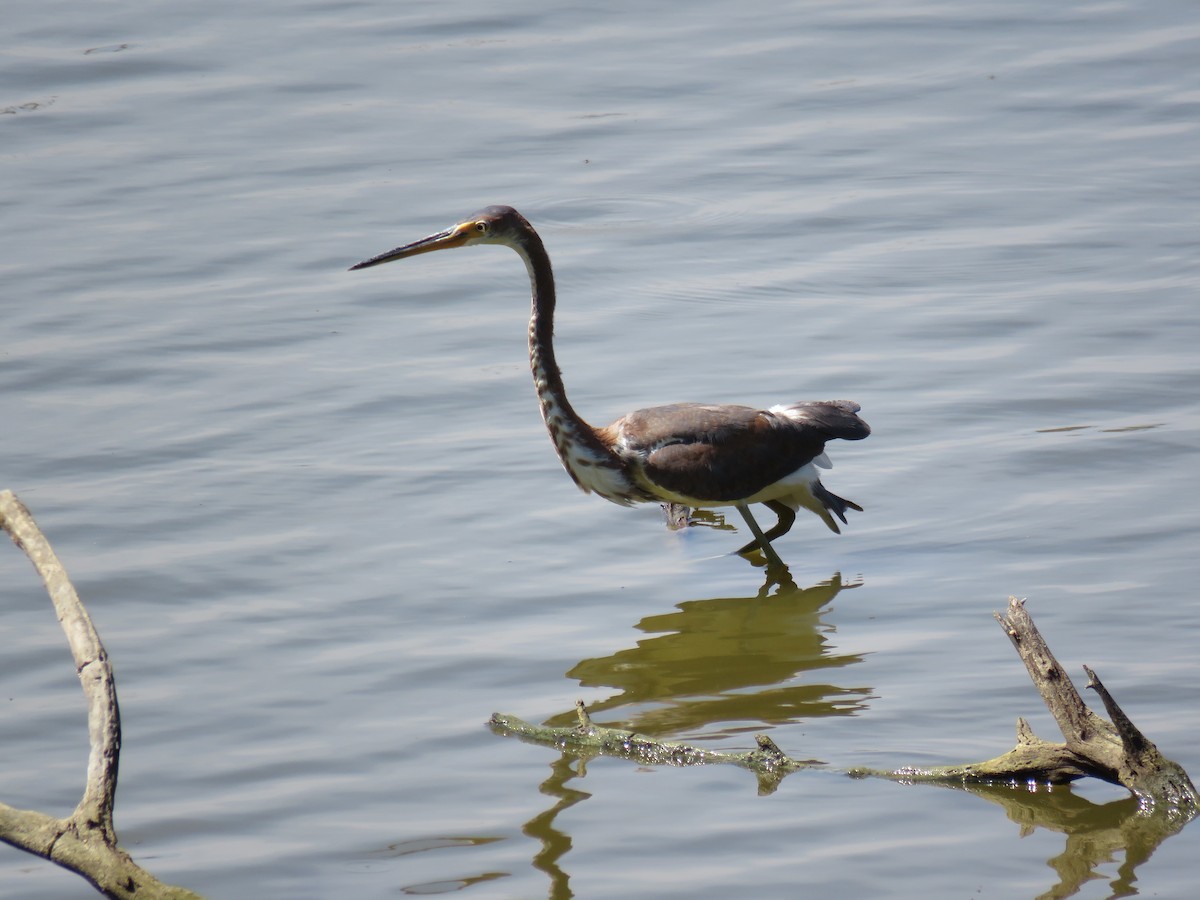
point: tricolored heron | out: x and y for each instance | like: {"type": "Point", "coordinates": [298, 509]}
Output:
{"type": "Point", "coordinates": [692, 454]}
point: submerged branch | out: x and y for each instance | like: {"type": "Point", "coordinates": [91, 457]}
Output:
{"type": "Point", "coordinates": [766, 761]}
{"type": "Point", "coordinates": [84, 842]}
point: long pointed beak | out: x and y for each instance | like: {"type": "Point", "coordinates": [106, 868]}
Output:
{"type": "Point", "coordinates": [443, 240]}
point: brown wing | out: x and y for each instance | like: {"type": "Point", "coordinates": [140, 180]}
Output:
{"type": "Point", "coordinates": [721, 454]}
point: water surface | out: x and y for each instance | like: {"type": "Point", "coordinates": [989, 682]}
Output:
{"type": "Point", "coordinates": [323, 534]}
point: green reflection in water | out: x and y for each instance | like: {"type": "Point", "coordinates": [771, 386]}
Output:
{"type": "Point", "coordinates": [741, 662]}
{"type": "Point", "coordinates": [556, 843]}
{"type": "Point", "coordinates": [1097, 834]}
{"type": "Point", "coordinates": [731, 661]}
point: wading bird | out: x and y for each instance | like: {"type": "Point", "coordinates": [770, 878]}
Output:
{"type": "Point", "coordinates": [692, 454]}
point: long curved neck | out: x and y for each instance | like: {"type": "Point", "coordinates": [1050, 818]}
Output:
{"type": "Point", "coordinates": [587, 459]}
{"type": "Point", "coordinates": [557, 411]}
{"type": "Point", "coordinates": [547, 379]}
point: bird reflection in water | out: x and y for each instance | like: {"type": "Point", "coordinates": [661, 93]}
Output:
{"type": "Point", "coordinates": [729, 663]}
{"type": "Point", "coordinates": [698, 455]}
{"type": "Point", "coordinates": [729, 666]}
{"type": "Point", "coordinates": [726, 665]}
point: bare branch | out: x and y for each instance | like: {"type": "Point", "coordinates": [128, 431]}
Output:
{"type": "Point", "coordinates": [85, 842]}
{"type": "Point", "coordinates": [767, 761]}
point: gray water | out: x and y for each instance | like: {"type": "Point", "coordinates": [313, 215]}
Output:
{"type": "Point", "coordinates": [324, 536]}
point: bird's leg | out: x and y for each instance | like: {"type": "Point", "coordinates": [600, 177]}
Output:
{"type": "Point", "coordinates": [787, 516]}
{"type": "Point", "coordinates": [761, 541]}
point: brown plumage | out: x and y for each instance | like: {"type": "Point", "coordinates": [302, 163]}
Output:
{"type": "Point", "coordinates": [694, 454]}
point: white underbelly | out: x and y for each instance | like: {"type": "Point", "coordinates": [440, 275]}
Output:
{"type": "Point", "coordinates": [794, 489]}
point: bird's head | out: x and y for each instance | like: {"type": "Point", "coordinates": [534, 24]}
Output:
{"type": "Point", "coordinates": [492, 225]}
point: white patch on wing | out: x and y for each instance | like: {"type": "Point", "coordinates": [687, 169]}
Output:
{"type": "Point", "coordinates": [788, 412]}
{"type": "Point", "coordinates": [796, 414]}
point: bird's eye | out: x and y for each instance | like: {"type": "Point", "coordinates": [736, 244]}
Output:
{"type": "Point", "coordinates": [481, 227]}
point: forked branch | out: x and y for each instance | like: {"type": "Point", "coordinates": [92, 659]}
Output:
{"type": "Point", "coordinates": [1114, 751]}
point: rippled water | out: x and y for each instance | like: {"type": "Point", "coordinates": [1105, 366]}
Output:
{"type": "Point", "coordinates": [323, 534]}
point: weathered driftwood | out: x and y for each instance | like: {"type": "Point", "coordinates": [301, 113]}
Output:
{"type": "Point", "coordinates": [1115, 752]}
{"type": "Point", "coordinates": [766, 761]}
{"type": "Point", "coordinates": [85, 842]}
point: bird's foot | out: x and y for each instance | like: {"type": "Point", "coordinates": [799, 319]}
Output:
{"type": "Point", "coordinates": [755, 555]}
{"type": "Point", "coordinates": [775, 571]}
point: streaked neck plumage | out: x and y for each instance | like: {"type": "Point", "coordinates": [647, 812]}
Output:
{"type": "Point", "coordinates": [590, 463]}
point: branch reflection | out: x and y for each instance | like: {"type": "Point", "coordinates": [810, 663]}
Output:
{"type": "Point", "coordinates": [1096, 833]}
{"type": "Point", "coordinates": [555, 842]}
